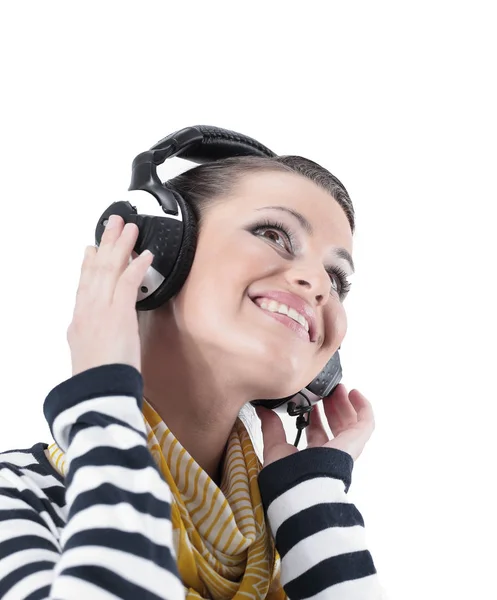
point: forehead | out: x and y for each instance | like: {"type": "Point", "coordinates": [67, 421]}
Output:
{"type": "Point", "coordinates": [291, 190]}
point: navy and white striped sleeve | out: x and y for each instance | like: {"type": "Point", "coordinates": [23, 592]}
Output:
{"type": "Point", "coordinates": [117, 542]}
{"type": "Point", "coordinates": [319, 533]}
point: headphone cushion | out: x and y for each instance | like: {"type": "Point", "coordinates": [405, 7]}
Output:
{"type": "Point", "coordinates": [187, 250]}
{"type": "Point", "coordinates": [184, 260]}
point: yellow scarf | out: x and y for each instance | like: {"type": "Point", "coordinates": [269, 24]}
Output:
{"type": "Point", "coordinates": [223, 545]}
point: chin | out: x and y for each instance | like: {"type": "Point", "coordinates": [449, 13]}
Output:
{"type": "Point", "coordinates": [252, 359]}
{"type": "Point", "coordinates": [270, 379]}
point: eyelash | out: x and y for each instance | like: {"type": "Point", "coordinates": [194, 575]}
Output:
{"type": "Point", "coordinates": [282, 228]}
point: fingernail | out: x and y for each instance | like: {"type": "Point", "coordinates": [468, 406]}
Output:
{"type": "Point", "coordinates": [112, 222]}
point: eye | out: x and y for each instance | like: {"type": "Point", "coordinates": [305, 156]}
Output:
{"type": "Point", "coordinates": [276, 233]}
{"type": "Point", "coordinates": [339, 282]}
{"type": "Point", "coordinates": [274, 236]}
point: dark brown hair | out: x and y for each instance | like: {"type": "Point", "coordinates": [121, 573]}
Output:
{"type": "Point", "coordinates": [204, 184]}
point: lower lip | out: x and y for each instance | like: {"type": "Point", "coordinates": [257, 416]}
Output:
{"type": "Point", "coordinates": [290, 323]}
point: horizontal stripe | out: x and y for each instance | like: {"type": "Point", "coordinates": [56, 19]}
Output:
{"type": "Point", "coordinates": [139, 544]}
{"type": "Point", "coordinates": [40, 594]}
{"type": "Point", "coordinates": [366, 588]}
{"type": "Point", "coordinates": [280, 476]}
{"type": "Point", "coordinates": [321, 546]}
{"type": "Point", "coordinates": [20, 557]}
{"type": "Point", "coordinates": [97, 583]}
{"type": "Point", "coordinates": [121, 517]}
{"type": "Point", "coordinates": [99, 382]}
{"type": "Point", "coordinates": [18, 527]}
{"type": "Point", "coordinates": [18, 457]}
{"type": "Point", "coordinates": [135, 458]}
{"type": "Point", "coordinates": [321, 490]}
{"type": "Point", "coordinates": [26, 578]}
{"type": "Point", "coordinates": [100, 411]}
{"type": "Point", "coordinates": [311, 520]}
{"type": "Point", "coordinates": [18, 543]}
{"type": "Point", "coordinates": [26, 514]}
{"type": "Point", "coordinates": [35, 496]}
{"type": "Point", "coordinates": [96, 420]}
{"type": "Point", "coordinates": [327, 573]}
{"type": "Point", "coordinates": [134, 569]}
{"type": "Point", "coordinates": [145, 480]}
{"type": "Point", "coordinates": [108, 495]}
{"type": "Point", "coordinates": [114, 434]}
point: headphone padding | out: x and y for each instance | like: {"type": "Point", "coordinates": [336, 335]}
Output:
{"type": "Point", "coordinates": [218, 143]}
{"type": "Point", "coordinates": [176, 279]}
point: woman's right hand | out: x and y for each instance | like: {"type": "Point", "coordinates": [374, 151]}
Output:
{"type": "Point", "coordinates": [104, 327]}
{"type": "Point", "coordinates": [349, 415]}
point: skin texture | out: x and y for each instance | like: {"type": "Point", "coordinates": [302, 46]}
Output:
{"type": "Point", "coordinates": [211, 349]}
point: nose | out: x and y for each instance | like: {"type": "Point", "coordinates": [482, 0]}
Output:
{"type": "Point", "coordinates": [314, 279]}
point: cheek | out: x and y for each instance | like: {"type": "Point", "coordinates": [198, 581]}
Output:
{"type": "Point", "coordinates": [336, 325]}
{"type": "Point", "coordinates": [209, 291]}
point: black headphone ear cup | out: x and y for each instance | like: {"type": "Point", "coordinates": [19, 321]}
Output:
{"type": "Point", "coordinates": [186, 254]}
{"type": "Point", "coordinates": [177, 277]}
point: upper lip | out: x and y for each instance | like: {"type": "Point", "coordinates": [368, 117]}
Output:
{"type": "Point", "coordinates": [295, 302]}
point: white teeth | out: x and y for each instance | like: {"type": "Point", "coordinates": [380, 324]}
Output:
{"type": "Point", "coordinates": [274, 306]}
{"type": "Point", "coordinates": [303, 322]}
{"type": "Point", "coordinates": [293, 314]}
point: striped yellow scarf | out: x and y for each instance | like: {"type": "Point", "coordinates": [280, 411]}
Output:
{"type": "Point", "coordinates": [223, 546]}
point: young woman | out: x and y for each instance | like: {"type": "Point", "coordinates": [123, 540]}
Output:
{"type": "Point", "coordinates": [153, 489]}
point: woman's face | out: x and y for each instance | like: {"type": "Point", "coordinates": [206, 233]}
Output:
{"type": "Point", "coordinates": [272, 247]}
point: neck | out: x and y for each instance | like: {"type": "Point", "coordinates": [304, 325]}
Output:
{"type": "Point", "coordinates": [203, 435]}
{"type": "Point", "coordinates": [199, 410]}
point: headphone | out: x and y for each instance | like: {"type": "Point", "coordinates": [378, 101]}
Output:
{"type": "Point", "coordinates": [172, 238]}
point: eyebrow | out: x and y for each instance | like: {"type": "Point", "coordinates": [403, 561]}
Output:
{"type": "Point", "coordinates": [307, 227]}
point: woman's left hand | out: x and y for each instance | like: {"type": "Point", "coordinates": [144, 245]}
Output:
{"type": "Point", "coordinates": [350, 417]}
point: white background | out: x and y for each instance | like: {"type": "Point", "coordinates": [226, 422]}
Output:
{"type": "Point", "coordinates": [398, 100]}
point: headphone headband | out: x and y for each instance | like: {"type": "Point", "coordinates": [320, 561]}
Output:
{"type": "Point", "coordinates": [204, 143]}
{"type": "Point", "coordinates": [200, 144]}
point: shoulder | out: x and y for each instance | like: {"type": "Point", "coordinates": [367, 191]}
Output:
{"type": "Point", "coordinates": [29, 472]}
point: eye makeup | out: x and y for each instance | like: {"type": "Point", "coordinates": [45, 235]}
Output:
{"type": "Point", "coordinates": [291, 245]}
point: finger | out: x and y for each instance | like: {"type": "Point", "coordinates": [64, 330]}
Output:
{"type": "Point", "coordinates": [339, 411]}
{"type": "Point", "coordinates": [125, 243]}
{"type": "Point", "coordinates": [315, 432]}
{"type": "Point", "coordinates": [273, 432]}
{"type": "Point", "coordinates": [111, 233]}
{"type": "Point", "coordinates": [357, 436]}
{"type": "Point", "coordinates": [112, 262]}
{"type": "Point", "coordinates": [118, 253]}
{"type": "Point", "coordinates": [363, 408]}
{"type": "Point", "coordinates": [86, 273]}
{"type": "Point", "coordinates": [126, 289]}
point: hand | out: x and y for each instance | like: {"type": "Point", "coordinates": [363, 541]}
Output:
{"type": "Point", "coordinates": [350, 418]}
{"type": "Point", "coordinates": [104, 328]}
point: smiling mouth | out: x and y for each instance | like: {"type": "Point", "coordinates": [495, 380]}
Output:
{"type": "Point", "coordinates": [286, 316]}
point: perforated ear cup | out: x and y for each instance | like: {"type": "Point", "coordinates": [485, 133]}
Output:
{"type": "Point", "coordinates": [322, 385]}
{"type": "Point", "coordinates": [327, 380]}
{"type": "Point", "coordinates": [177, 277]}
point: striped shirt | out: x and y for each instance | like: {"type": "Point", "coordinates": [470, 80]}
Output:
{"type": "Point", "coordinates": [104, 531]}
